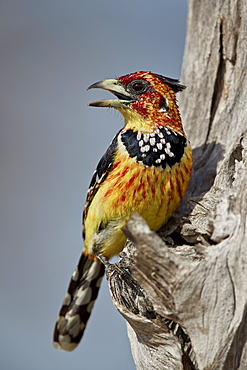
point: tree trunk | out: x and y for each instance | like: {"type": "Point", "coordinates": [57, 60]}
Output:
{"type": "Point", "coordinates": [185, 297]}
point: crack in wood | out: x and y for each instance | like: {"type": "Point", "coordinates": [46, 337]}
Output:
{"type": "Point", "coordinates": [219, 81]}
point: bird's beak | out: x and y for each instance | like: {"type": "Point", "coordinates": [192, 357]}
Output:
{"type": "Point", "coordinates": [115, 87]}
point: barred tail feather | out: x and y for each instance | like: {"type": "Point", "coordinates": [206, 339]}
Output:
{"type": "Point", "coordinates": [78, 303]}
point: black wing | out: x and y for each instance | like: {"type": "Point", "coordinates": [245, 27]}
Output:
{"type": "Point", "coordinates": [100, 174]}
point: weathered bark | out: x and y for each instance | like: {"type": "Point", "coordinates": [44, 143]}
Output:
{"type": "Point", "coordinates": [185, 299]}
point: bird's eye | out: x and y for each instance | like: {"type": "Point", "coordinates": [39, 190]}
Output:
{"type": "Point", "coordinates": [138, 86]}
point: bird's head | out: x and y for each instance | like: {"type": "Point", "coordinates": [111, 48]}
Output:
{"type": "Point", "coordinates": [145, 99]}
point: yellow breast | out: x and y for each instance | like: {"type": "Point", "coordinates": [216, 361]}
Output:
{"type": "Point", "coordinates": [153, 192]}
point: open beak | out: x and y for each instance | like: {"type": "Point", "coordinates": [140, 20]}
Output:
{"type": "Point", "coordinates": [116, 88]}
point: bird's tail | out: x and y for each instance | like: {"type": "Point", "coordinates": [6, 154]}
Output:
{"type": "Point", "coordinates": [78, 303]}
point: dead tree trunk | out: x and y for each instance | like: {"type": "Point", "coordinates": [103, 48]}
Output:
{"type": "Point", "coordinates": [185, 298]}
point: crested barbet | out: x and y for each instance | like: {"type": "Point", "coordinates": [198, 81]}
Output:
{"type": "Point", "coordinates": [146, 169]}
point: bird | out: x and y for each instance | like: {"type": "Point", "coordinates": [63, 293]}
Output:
{"type": "Point", "coordinates": [146, 169]}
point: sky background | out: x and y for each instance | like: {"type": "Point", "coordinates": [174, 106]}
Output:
{"type": "Point", "coordinates": [51, 51]}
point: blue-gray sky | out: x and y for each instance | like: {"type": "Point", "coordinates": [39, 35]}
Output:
{"type": "Point", "coordinates": [51, 51]}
